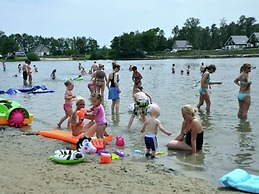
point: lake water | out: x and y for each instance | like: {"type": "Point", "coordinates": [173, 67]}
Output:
{"type": "Point", "coordinates": [229, 142]}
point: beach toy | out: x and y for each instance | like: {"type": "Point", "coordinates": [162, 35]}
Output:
{"type": "Point", "coordinates": [67, 156]}
{"type": "Point", "coordinates": [119, 153]}
{"type": "Point", "coordinates": [105, 158]}
{"type": "Point", "coordinates": [114, 156]}
{"type": "Point", "coordinates": [98, 143]}
{"type": "Point", "coordinates": [84, 145]}
{"type": "Point", "coordinates": [131, 107]}
{"type": "Point", "coordinates": [119, 141]}
{"type": "Point", "coordinates": [241, 180]}
{"type": "Point", "coordinates": [103, 151]}
{"type": "Point", "coordinates": [81, 113]}
{"type": "Point", "coordinates": [137, 151]}
{"type": "Point", "coordinates": [16, 118]}
{"type": "Point", "coordinates": [13, 114]}
{"type": "Point", "coordinates": [159, 153]}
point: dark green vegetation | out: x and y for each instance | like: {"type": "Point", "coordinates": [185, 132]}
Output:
{"type": "Point", "coordinates": [206, 42]}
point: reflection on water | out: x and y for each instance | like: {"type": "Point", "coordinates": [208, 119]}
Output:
{"type": "Point", "coordinates": [188, 161]}
{"type": "Point", "coordinates": [115, 119]}
{"type": "Point", "coordinates": [245, 157]}
{"type": "Point", "coordinates": [205, 119]}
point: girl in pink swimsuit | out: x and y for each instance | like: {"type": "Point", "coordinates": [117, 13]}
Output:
{"type": "Point", "coordinates": [99, 115]}
{"type": "Point", "coordinates": [68, 103]}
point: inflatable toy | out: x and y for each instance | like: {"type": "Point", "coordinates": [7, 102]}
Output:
{"type": "Point", "coordinates": [29, 90]}
{"type": "Point", "coordinates": [119, 141]}
{"type": "Point", "coordinates": [241, 180]}
{"type": "Point", "coordinates": [105, 158]}
{"type": "Point", "coordinates": [65, 156]}
{"type": "Point", "coordinates": [81, 113]}
{"type": "Point", "coordinates": [12, 91]}
{"type": "Point", "coordinates": [79, 78]}
{"type": "Point", "coordinates": [66, 135]}
{"type": "Point", "coordinates": [84, 145]}
{"type": "Point", "coordinates": [13, 114]}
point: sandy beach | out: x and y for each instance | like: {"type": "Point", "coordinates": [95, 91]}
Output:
{"type": "Point", "coordinates": [25, 168]}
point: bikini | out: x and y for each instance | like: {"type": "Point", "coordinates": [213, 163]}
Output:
{"type": "Point", "coordinates": [205, 89]}
{"type": "Point", "coordinates": [67, 106]}
{"type": "Point", "coordinates": [241, 96]}
{"type": "Point", "coordinates": [199, 139]}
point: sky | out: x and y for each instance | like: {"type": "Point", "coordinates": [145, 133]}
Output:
{"type": "Point", "coordinates": [102, 20]}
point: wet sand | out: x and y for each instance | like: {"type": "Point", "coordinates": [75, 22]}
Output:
{"type": "Point", "coordinates": [25, 168]}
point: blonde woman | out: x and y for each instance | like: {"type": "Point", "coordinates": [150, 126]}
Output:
{"type": "Point", "coordinates": [191, 135]}
{"type": "Point", "coordinates": [244, 81]}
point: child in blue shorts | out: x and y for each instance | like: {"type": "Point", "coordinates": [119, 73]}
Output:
{"type": "Point", "coordinates": [151, 125]}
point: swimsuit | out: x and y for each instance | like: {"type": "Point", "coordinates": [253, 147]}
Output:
{"type": "Point", "coordinates": [202, 89]}
{"type": "Point", "coordinates": [151, 141]}
{"type": "Point", "coordinates": [113, 90]}
{"type": "Point", "coordinates": [99, 115]}
{"type": "Point", "coordinates": [99, 77]}
{"type": "Point", "coordinates": [67, 106]}
{"type": "Point", "coordinates": [140, 105]}
{"type": "Point", "coordinates": [199, 139]}
{"type": "Point", "coordinates": [241, 96]}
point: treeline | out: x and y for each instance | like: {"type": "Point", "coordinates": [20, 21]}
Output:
{"type": "Point", "coordinates": [134, 44]}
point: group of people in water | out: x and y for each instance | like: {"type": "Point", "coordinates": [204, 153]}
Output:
{"type": "Point", "coordinates": [191, 134]}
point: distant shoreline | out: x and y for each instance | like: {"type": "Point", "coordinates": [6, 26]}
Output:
{"type": "Point", "coordinates": [56, 59]}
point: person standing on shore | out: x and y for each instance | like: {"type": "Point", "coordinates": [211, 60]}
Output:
{"type": "Point", "coordinates": [244, 82]}
{"type": "Point", "coordinates": [205, 82]}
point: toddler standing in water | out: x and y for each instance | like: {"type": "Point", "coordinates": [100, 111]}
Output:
{"type": "Point", "coordinates": [99, 115]}
{"type": "Point", "coordinates": [68, 103]}
{"type": "Point", "coordinates": [151, 126]}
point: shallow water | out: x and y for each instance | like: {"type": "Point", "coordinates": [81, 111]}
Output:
{"type": "Point", "coordinates": [229, 142]}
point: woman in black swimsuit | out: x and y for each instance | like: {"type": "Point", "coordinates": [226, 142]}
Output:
{"type": "Point", "coordinates": [191, 136]}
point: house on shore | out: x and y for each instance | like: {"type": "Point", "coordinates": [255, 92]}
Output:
{"type": "Point", "coordinates": [253, 40]}
{"type": "Point", "coordinates": [41, 50]}
{"type": "Point", "coordinates": [235, 42]}
{"type": "Point", "coordinates": [181, 45]}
